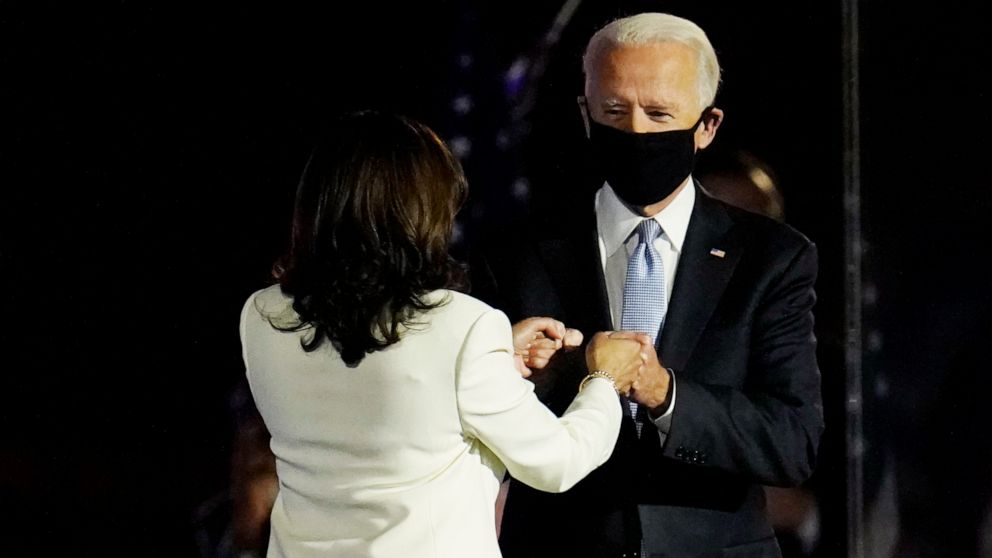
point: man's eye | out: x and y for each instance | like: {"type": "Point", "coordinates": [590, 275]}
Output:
{"type": "Point", "coordinates": [659, 114]}
{"type": "Point", "coordinates": [615, 111]}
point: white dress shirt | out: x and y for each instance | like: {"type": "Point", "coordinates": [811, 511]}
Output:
{"type": "Point", "coordinates": [615, 224]}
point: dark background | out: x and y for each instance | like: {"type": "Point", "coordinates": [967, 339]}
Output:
{"type": "Point", "coordinates": [150, 150]}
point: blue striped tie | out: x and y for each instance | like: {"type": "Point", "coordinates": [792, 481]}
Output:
{"type": "Point", "coordinates": [644, 302]}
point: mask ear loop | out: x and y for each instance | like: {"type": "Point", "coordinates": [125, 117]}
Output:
{"type": "Point", "coordinates": [706, 112]}
{"type": "Point", "coordinates": [584, 113]}
{"type": "Point", "coordinates": [583, 106]}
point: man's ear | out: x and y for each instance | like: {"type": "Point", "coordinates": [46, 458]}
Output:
{"type": "Point", "coordinates": [584, 110]}
{"type": "Point", "coordinates": [706, 132]}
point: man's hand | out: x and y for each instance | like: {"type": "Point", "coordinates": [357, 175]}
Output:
{"type": "Point", "coordinates": [651, 386]}
{"type": "Point", "coordinates": [536, 340]}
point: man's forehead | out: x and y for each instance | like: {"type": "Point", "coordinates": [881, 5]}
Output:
{"type": "Point", "coordinates": [609, 54]}
{"type": "Point", "coordinates": [643, 62]}
{"type": "Point", "coordinates": [655, 76]}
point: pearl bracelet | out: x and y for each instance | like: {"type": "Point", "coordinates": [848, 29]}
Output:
{"type": "Point", "coordinates": [599, 374]}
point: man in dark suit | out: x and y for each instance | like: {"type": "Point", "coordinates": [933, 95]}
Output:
{"type": "Point", "coordinates": [730, 399]}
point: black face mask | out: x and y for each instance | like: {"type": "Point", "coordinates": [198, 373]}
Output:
{"type": "Point", "coordinates": [643, 168]}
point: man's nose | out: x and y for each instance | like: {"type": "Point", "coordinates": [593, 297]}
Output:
{"type": "Point", "coordinates": [639, 122]}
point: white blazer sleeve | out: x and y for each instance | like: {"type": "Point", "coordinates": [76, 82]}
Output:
{"type": "Point", "coordinates": [499, 408]}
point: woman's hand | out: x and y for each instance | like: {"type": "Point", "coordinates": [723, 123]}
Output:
{"type": "Point", "coordinates": [536, 340]}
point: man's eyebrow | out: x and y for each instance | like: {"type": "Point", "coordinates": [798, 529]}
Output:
{"type": "Point", "coordinates": [657, 104]}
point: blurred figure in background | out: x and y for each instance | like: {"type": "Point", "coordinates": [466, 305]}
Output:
{"type": "Point", "coordinates": [235, 523]}
{"type": "Point", "coordinates": [254, 482]}
{"type": "Point", "coordinates": [739, 178]}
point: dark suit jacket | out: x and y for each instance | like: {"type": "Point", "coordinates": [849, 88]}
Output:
{"type": "Point", "coordinates": [739, 336]}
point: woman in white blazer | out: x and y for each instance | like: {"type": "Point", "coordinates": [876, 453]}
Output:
{"type": "Point", "coordinates": [394, 402]}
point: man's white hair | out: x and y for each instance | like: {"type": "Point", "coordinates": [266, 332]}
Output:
{"type": "Point", "coordinates": [649, 28]}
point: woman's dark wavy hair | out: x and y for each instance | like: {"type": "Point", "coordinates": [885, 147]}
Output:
{"type": "Point", "coordinates": [371, 227]}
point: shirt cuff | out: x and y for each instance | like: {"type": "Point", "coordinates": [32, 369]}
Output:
{"type": "Point", "coordinates": [664, 422]}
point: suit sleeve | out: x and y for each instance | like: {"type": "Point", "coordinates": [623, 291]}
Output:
{"type": "Point", "coordinates": [767, 430]}
{"type": "Point", "coordinates": [499, 408]}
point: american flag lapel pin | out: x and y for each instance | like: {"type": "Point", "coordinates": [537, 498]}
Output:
{"type": "Point", "coordinates": [717, 252]}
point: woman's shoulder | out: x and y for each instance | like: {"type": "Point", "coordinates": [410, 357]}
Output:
{"type": "Point", "coordinates": [466, 316]}
{"type": "Point", "coordinates": [268, 302]}
{"type": "Point", "coordinates": [460, 302]}
{"type": "Point", "coordinates": [268, 296]}
{"type": "Point", "coordinates": [460, 308]}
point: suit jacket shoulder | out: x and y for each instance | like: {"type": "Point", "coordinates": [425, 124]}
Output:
{"type": "Point", "coordinates": [759, 230]}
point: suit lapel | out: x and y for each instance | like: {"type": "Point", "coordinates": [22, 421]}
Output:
{"type": "Point", "coordinates": [709, 255]}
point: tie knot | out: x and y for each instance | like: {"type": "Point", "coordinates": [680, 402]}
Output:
{"type": "Point", "coordinates": [647, 231]}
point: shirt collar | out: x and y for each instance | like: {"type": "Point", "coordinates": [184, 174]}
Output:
{"type": "Point", "coordinates": [615, 221]}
